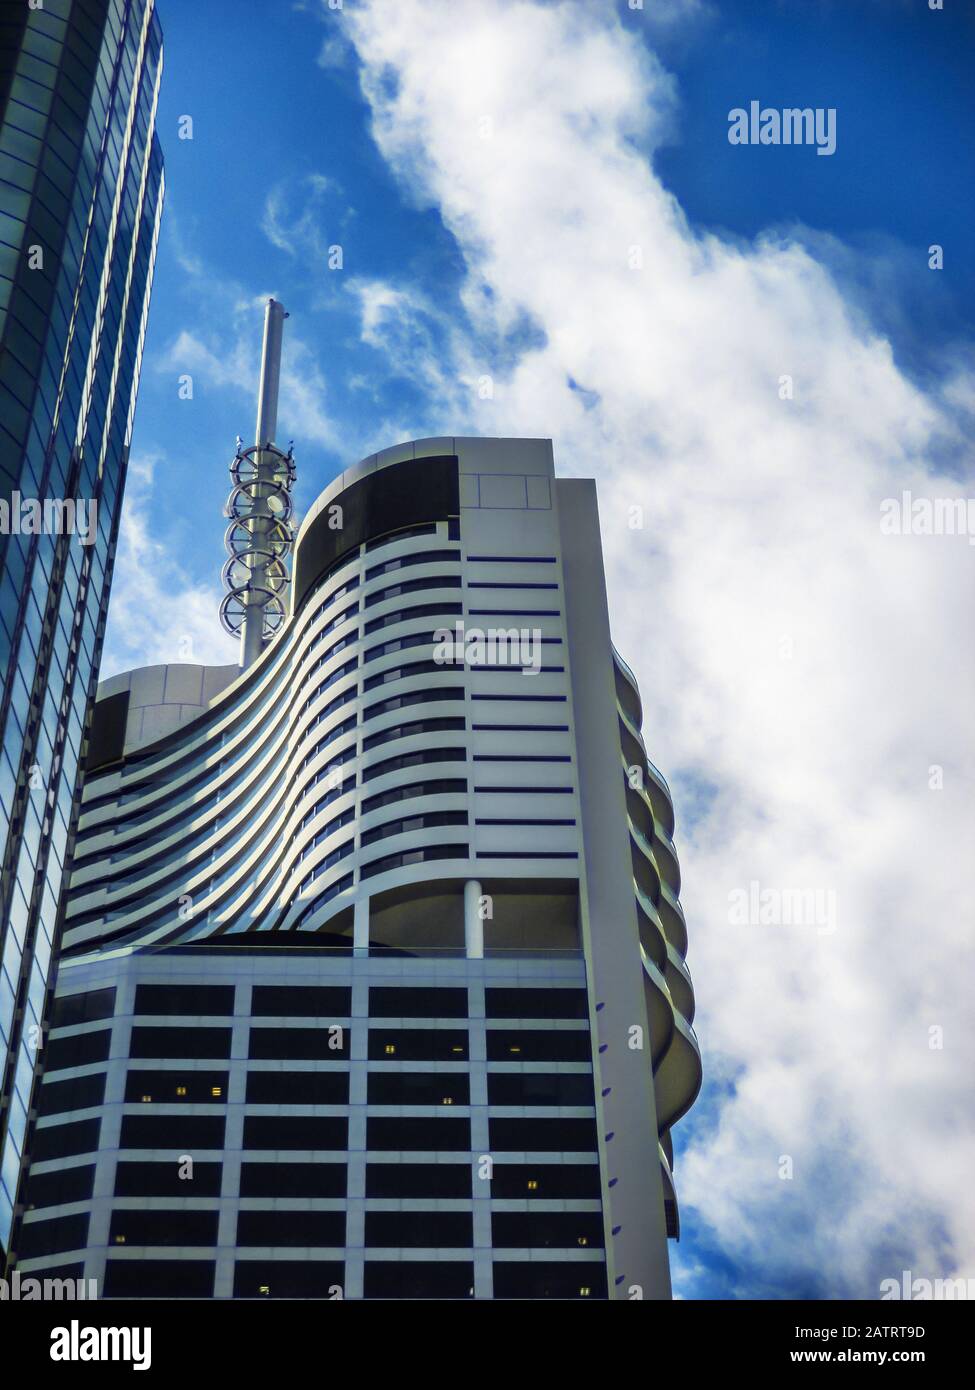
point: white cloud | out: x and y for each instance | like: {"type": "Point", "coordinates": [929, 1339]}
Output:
{"type": "Point", "coordinates": [806, 667]}
{"type": "Point", "coordinates": [156, 616]}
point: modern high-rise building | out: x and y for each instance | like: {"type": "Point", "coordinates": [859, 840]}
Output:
{"type": "Point", "coordinates": [81, 189]}
{"type": "Point", "coordinates": [373, 978]}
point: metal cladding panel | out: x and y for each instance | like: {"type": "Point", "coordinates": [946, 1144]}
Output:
{"type": "Point", "coordinates": [405, 494]}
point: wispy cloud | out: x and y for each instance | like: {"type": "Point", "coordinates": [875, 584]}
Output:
{"type": "Point", "coordinates": [744, 421]}
{"type": "Point", "coordinates": [156, 616]}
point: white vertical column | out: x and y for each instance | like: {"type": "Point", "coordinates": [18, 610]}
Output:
{"type": "Point", "coordinates": [473, 922]}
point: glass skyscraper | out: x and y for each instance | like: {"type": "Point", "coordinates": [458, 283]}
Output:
{"type": "Point", "coordinates": [81, 191]}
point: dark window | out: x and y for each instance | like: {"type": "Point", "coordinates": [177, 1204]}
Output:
{"type": "Point", "coordinates": [430, 1229]}
{"type": "Point", "coordinates": [563, 1230]}
{"type": "Point", "coordinates": [537, 1045]}
{"type": "Point", "coordinates": [177, 1087]}
{"type": "Point", "coordinates": [289, 1044]}
{"type": "Point", "coordinates": [393, 1002]}
{"type": "Point", "coordinates": [61, 1141]}
{"type": "Point", "coordinates": [180, 1042]}
{"type": "Point", "coordinates": [413, 586]}
{"type": "Point", "coordinates": [288, 1278]}
{"type": "Point", "coordinates": [414, 1132]}
{"type": "Point", "coordinates": [424, 755]}
{"type": "Point", "coordinates": [297, 1087]}
{"type": "Point", "coordinates": [416, 1279]}
{"type": "Point", "coordinates": [147, 1179]}
{"type": "Point", "coordinates": [446, 723]}
{"type": "Point", "coordinates": [418, 1180]}
{"type": "Point", "coordinates": [419, 1088]}
{"type": "Point", "coordinates": [175, 1132]}
{"type": "Point", "coordinates": [418, 1044]}
{"type": "Point", "coordinates": [409, 824]}
{"type": "Point", "coordinates": [536, 1003]}
{"type": "Point", "coordinates": [539, 1088]}
{"type": "Point", "coordinates": [175, 1000]}
{"type": "Point", "coordinates": [52, 1236]}
{"type": "Point", "coordinates": [533, 1135]}
{"type": "Point", "coordinates": [545, 1180]}
{"type": "Point", "coordinates": [82, 1008]}
{"type": "Point", "coordinates": [441, 787]}
{"type": "Point", "coordinates": [307, 1228]}
{"type": "Point", "coordinates": [77, 1051]}
{"type": "Point", "coordinates": [295, 1132]}
{"type": "Point", "coordinates": [79, 1093]}
{"type": "Point", "coordinates": [413, 856]}
{"type": "Point", "coordinates": [533, 1279]}
{"type": "Point", "coordinates": [418, 610]}
{"type": "Point", "coordinates": [159, 1279]}
{"type": "Point", "coordinates": [424, 557]}
{"type": "Point", "coordinates": [301, 1001]}
{"type": "Point", "coordinates": [178, 1227]}
{"type": "Point", "coordinates": [293, 1180]}
{"type": "Point", "coordinates": [63, 1185]}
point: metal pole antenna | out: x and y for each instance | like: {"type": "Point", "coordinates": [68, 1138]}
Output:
{"type": "Point", "coordinates": [259, 537]}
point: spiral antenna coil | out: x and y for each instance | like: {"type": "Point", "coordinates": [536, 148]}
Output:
{"type": "Point", "coordinates": [258, 539]}
{"type": "Point", "coordinates": [260, 535]}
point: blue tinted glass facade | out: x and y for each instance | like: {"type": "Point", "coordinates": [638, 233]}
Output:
{"type": "Point", "coordinates": [81, 191]}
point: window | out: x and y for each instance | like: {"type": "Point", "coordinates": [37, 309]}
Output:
{"type": "Point", "coordinates": [535, 1135]}
{"type": "Point", "coordinates": [293, 1180]}
{"type": "Point", "coordinates": [288, 1278]}
{"type": "Point", "coordinates": [540, 1088]}
{"type": "Point", "coordinates": [545, 1180]}
{"type": "Point", "coordinates": [303, 1228]}
{"type": "Point", "coordinates": [413, 856]}
{"type": "Point", "coordinates": [395, 1002]}
{"type": "Point", "coordinates": [442, 787]}
{"type": "Point", "coordinates": [69, 1009]}
{"type": "Point", "coordinates": [298, 1087]}
{"type": "Point", "coordinates": [154, 1179]}
{"type": "Point", "coordinates": [61, 1141]}
{"type": "Point", "coordinates": [295, 1132]}
{"type": "Point", "coordinates": [77, 1051]}
{"type": "Point", "coordinates": [79, 1093]}
{"type": "Point", "coordinates": [314, 1044]}
{"type": "Point", "coordinates": [50, 1237]}
{"type": "Point", "coordinates": [409, 824]}
{"type": "Point", "coordinates": [413, 1132]}
{"type": "Point", "coordinates": [180, 1042]}
{"type": "Point", "coordinates": [418, 1279]}
{"type": "Point", "coordinates": [537, 1045]}
{"type": "Point", "coordinates": [301, 1001]}
{"type": "Point", "coordinates": [536, 1003]}
{"type": "Point", "coordinates": [423, 557]}
{"type": "Point", "coordinates": [61, 1186]}
{"type": "Point", "coordinates": [180, 1226]}
{"type": "Point", "coordinates": [176, 1133]}
{"type": "Point", "coordinates": [418, 1088]}
{"type": "Point", "coordinates": [450, 723]}
{"type": "Point", "coordinates": [419, 610]}
{"type": "Point", "coordinates": [432, 1229]}
{"type": "Point", "coordinates": [534, 1279]}
{"type": "Point", "coordinates": [418, 1044]}
{"type": "Point", "coordinates": [418, 1180]}
{"type": "Point", "coordinates": [426, 755]}
{"type": "Point", "coordinates": [185, 1087]}
{"type": "Point", "coordinates": [159, 1279]}
{"type": "Point", "coordinates": [174, 1000]}
{"type": "Point", "coordinates": [564, 1230]}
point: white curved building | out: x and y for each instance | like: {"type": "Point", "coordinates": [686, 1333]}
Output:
{"type": "Point", "coordinates": [372, 979]}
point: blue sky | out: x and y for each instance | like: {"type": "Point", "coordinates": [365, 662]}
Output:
{"type": "Point", "coordinates": [760, 261]}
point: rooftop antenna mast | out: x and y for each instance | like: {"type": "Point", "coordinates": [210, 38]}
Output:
{"type": "Point", "coordinates": [260, 534]}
